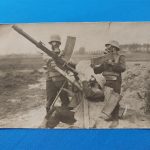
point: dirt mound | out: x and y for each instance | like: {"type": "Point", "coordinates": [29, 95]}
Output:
{"type": "Point", "coordinates": [134, 85]}
{"type": "Point", "coordinates": [136, 80]}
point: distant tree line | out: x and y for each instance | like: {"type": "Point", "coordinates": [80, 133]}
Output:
{"type": "Point", "coordinates": [82, 51]}
{"type": "Point", "coordinates": [136, 47]}
{"type": "Point", "coordinates": [125, 47]}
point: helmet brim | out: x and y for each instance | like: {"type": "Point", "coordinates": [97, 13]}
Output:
{"type": "Point", "coordinates": [107, 44]}
{"type": "Point", "coordinates": [50, 42]}
{"type": "Point", "coordinates": [118, 48]}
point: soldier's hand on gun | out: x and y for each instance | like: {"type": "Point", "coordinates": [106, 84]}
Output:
{"type": "Point", "coordinates": [110, 62]}
{"type": "Point", "coordinates": [94, 66]}
{"type": "Point", "coordinates": [53, 64]}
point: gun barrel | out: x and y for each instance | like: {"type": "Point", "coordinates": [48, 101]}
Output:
{"type": "Point", "coordinates": [20, 31]}
{"type": "Point", "coordinates": [44, 49]}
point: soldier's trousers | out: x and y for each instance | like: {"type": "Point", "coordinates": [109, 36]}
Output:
{"type": "Point", "coordinates": [116, 85]}
{"type": "Point", "coordinates": [52, 88]}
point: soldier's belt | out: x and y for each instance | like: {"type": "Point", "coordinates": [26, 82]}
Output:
{"type": "Point", "coordinates": [107, 73]}
{"type": "Point", "coordinates": [110, 75]}
{"type": "Point", "coordinates": [113, 78]}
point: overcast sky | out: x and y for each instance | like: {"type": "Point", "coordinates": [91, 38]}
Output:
{"type": "Point", "coordinates": [92, 36]}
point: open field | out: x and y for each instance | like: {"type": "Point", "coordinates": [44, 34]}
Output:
{"type": "Point", "coordinates": [35, 61]}
{"type": "Point", "coordinates": [17, 97]}
{"type": "Point", "coordinates": [22, 90]}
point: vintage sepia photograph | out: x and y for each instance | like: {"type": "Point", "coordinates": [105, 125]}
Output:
{"type": "Point", "coordinates": [75, 75]}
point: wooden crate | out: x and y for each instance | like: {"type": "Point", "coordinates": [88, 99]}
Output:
{"type": "Point", "coordinates": [111, 103]}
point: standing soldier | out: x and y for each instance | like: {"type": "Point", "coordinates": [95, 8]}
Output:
{"type": "Point", "coordinates": [54, 80]}
{"type": "Point", "coordinates": [111, 70]}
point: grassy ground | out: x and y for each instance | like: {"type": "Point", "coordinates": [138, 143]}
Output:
{"type": "Point", "coordinates": [16, 74]}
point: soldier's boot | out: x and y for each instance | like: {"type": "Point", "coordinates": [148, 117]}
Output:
{"type": "Point", "coordinates": [109, 119]}
{"type": "Point", "coordinates": [52, 119]}
{"type": "Point", "coordinates": [114, 124]}
{"type": "Point", "coordinates": [115, 117]}
{"type": "Point", "coordinates": [104, 117]}
{"type": "Point", "coordinates": [65, 115]}
{"type": "Point", "coordinates": [52, 122]}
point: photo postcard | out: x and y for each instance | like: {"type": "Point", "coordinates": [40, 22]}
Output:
{"type": "Point", "coordinates": [75, 75]}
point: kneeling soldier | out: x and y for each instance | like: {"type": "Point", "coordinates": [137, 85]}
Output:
{"type": "Point", "coordinates": [94, 88]}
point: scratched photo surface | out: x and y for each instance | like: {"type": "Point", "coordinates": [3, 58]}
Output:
{"type": "Point", "coordinates": [75, 75]}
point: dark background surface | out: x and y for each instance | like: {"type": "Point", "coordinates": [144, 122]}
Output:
{"type": "Point", "coordinates": [73, 11]}
{"type": "Point", "coordinates": [27, 11]}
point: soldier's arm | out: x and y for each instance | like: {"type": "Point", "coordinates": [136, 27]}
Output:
{"type": "Point", "coordinates": [47, 60]}
{"type": "Point", "coordinates": [98, 69]}
{"type": "Point", "coordinates": [121, 65]}
{"type": "Point", "coordinates": [72, 64]}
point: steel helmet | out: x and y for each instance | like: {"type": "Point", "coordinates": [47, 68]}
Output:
{"type": "Point", "coordinates": [55, 38]}
{"type": "Point", "coordinates": [113, 43]}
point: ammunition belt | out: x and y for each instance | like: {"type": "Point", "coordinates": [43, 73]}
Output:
{"type": "Point", "coordinates": [110, 75]}
{"type": "Point", "coordinates": [110, 78]}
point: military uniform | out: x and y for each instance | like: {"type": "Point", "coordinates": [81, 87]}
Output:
{"type": "Point", "coordinates": [112, 74]}
{"type": "Point", "coordinates": [54, 81]}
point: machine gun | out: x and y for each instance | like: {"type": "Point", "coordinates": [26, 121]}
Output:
{"type": "Point", "coordinates": [50, 53]}
{"type": "Point", "coordinates": [101, 59]}
{"type": "Point", "coordinates": [62, 63]}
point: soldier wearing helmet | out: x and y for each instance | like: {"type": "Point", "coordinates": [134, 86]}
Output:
{"type": "Point", "coordinates": [93, 89]}
{"type": "Point", "coordinates": [54, 80]}
{"type": "Point", "coordinates": [111, 70]}
{"type": "Point", "coordinates": [55, 42]}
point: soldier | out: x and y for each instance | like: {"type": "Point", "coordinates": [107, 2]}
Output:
{"type": "Point", "coordinates": [111, 70]}
{"type": "Point", "coordinates": [54, 80]}
{"type": "Point", "coordinates": [93, 88]}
